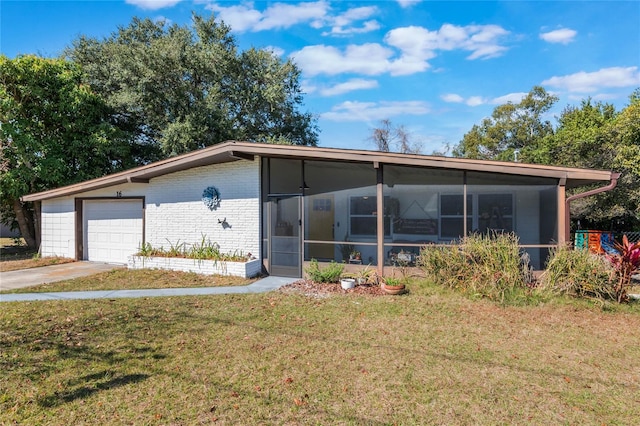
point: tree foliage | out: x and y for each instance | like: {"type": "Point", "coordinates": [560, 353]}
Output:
{"type": "Point", "coordinates": [591, 135]}
{"type": "Point", "coordinates": [183, 88]}
{"type": "Point", "coordinates": [512, 131]}
{"type": "Point", "coordinates": [54, 131]}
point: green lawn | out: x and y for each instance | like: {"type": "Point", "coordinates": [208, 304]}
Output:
{"type": "Point", "coordinates": [428, 357]}
{"type": "Point", "coordinates": [125, 279]}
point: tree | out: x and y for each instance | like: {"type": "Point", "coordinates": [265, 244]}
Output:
{"type": "Point", "coordinates": [388, 137]}
{"type": "Point", "coordinates": [578, 137]}
{"type": "Point", "coordinates": [513, 130]}
{"type": "Point", "coordinates": [621, 152]}
{"type": "Point", "coordinates": [54, 131]}
{"type": "Point", "coordinates": [183, 88]}
{"type": "Point", "coordinates": [591, 135]}
{"type": "Point", "coordinates": [594, 135]}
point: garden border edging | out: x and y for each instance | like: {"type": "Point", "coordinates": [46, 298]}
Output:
{"type": "Point", "coordinates": [247, 269]}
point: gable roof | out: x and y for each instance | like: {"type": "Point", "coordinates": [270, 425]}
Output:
{"type": "Point", "coordinates": [235, 151]}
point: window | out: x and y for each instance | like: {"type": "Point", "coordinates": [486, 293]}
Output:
{"type": "Point", "coordinates": [495, 212]}
{"type": "Point", "coordinates": [452, 215]}
{"type": "Point", "coordinates": [486, 212]}
{"type": "Point", "coordinates": [363, 218]}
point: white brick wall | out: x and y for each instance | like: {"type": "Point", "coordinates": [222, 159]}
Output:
{"type": "Point", "coordinates": [58, 228]}
{"type": "Point", "coordinates": [175, 212]}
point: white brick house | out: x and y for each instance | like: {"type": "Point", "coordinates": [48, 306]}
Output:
{"type": "Point", "coordinates": [289, 204]}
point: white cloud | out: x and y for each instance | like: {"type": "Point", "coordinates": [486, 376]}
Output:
{"type": "Point", "coordinates": [373, 111]}
{"type": "Point", "coordinates": [563, 36]}
{"type": "Point", "coordinates": [349, 86]}
{"type": "Point", "coordinates": [367, 59]}
{"type": "Point", "coordinates": [483, 42]}
{"type": "Point", "coordinates": [475, 101]}
{"type": "Point", "coordinates": [416, 46]}
{"type": "Point", "coordinates": [586, 82]}
{"type": "Point", "coordinates": [355, 14]}
{"type": "Point", "coordinates": [514, 98]}
{"type": "Point", "coordinates": [365, 28]}
{"type": "Point", "coordinates": [479, 100]}
{"type": "Point", "coordinates": [452, 98]}
{"type": "Point", "coordinates": [153, 4]}
{"type": "Point", "coordinates": [284, 15]}
{"type": "Point", "coordinates": [240, 18]}
{"type": "Point", "coordinates": [245, 17]}
{"type": "Point", "coordinates": [308, 87]}
{"type": "Point", "coordinates": [407, 3]}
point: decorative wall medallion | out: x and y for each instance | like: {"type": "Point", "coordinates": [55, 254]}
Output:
{"type": "Point", "coordinates": [211, 197]}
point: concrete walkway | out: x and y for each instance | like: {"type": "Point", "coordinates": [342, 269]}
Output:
{"type": "Point", "coordinates": [260, 286]}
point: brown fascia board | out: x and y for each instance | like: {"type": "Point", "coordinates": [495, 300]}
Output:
{"type": "Point", "coordinates": [211, 155]}
{"type": "Point", "coordinates": [235, 151]}
{"type": "Point", "coordinates": [575, 177]}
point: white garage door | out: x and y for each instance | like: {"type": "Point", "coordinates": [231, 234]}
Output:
{"type": "Point", "coordinates": [112, 229]}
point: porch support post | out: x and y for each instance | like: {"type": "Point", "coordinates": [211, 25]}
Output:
{"type": "Point", "coordinates": [380, 217]}
{"type": "Point", "coordinates": [563, 232]}
{"type": "Point", "coordinates": [464, 205]}
{"type": "Point", "coordinates": [78, 206]}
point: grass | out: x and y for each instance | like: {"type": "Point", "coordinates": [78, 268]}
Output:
{"type": "Point", "coordinates": [431, 356]}
{"type": "Point", "coordinates": [15, 255]}
{"type": "Point", "coordinates": [36, 262]}
{"type": "Point", "coordinates": [121, 279]}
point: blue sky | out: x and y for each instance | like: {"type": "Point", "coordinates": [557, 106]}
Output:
{"type": "Point", "coordinates": [436, 67]}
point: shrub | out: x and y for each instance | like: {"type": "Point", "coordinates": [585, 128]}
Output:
{"type": "Point", "coordinates": [626, 262]}
{"type": "Point", "coordinates": [578, 273]}
{"type": "Point", "coordinates": [329, 274]}
{"type": "Point", "coordinates": [486, 265]}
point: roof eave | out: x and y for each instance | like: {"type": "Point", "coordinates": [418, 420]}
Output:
{"type": "Point", "coordinates": [237, 151]}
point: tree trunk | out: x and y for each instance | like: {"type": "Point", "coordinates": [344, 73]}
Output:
{"type": "Point", "coordinates": [37, 216]}
{"type": "Point", "coordinates": [25, 222]}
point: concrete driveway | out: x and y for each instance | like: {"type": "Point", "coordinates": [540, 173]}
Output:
{"type": "Point", "coordinates": [49, 274]}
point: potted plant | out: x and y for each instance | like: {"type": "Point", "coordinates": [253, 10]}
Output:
{"type": "Point", "coordinates": [347, 283]}
{"type": "Point", "coordinates": [346, 249]}
{"type": "Point", "coordinates": [363, 276]}
{"type": "Point", "coordinates": [355, 255]}
{"type": "Point", "coordinates": [392, 285]}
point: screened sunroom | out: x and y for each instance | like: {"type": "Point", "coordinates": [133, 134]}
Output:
{"type": "Point", "coordinates": [381, 213]}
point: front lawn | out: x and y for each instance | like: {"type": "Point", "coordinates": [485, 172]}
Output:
{"type": "Point", "coordinates": [428, 357]}
{"type": "Point", "coordinates": [125, 279]}
{"type": "Point", "coordinates": [15, 255]}
{"type": "Point", "coordinates": [9, 264]}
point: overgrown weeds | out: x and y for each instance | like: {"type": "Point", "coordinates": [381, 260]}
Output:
{"type": "Point", "coordinates": [480, 265]}
{"type": "Point", "coordinates": [578, 273]}
{"type": "Point", "coordinates": [204, 250]}
{"type": "Point", "coordinates": [328, 274]}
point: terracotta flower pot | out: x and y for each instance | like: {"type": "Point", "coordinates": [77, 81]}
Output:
{"type": "Point", "coordinates": [393, 289]}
